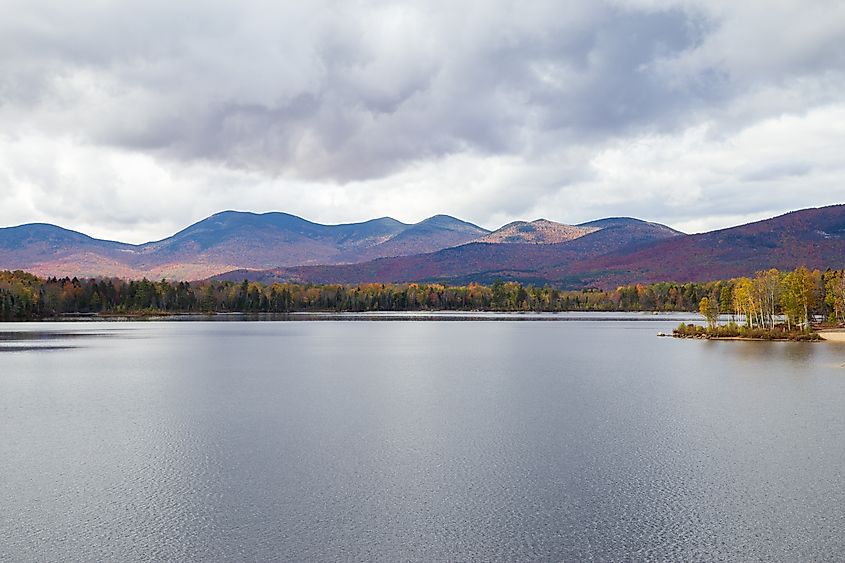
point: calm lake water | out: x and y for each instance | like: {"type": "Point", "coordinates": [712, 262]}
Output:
{"type": "Point", "coordinates": [382, 440]}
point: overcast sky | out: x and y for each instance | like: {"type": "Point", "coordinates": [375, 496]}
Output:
{"type": "Point", "coordinates": [130, 120]}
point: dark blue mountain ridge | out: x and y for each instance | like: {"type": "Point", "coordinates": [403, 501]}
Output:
{"type": "Point", "coordinates": [51, 236]}
{"type": "Point", "coordinates": [224, 241]}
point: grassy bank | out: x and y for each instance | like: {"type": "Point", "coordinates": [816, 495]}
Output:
{"type": "Point", "coordinates": [733, 331]}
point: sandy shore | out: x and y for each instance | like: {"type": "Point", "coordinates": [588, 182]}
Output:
{"type": "Point", "coordinates": [834, 335]}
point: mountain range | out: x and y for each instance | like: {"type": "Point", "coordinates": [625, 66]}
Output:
{"type": "Point", "coordinates": [282, 247]}
{"type": "Point", "coordinates": [226, 241]}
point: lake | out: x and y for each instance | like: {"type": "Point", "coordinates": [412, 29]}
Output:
{"type": "Point", "coordinates": [575, 438]}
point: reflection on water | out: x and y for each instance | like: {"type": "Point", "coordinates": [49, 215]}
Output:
{"type": "Point", "coordinates": [39, 340]}
{"type": "Point", "coordinates": [389, 441]}
{"type": "Point", "coordinates": [799, 354]}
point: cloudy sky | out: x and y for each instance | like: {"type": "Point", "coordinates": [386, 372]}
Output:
{"type": "Point", "coordinates": [130, 120]}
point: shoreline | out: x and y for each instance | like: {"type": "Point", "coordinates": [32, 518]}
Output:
{"type": "Point", "coordinates": [425, 315]}
{"type": "Point", "coordinates": [751, 339]}
{"type": "Point", "coordinates": [832, 335]}
{"type": "Point", "coordinates": [734, 332]}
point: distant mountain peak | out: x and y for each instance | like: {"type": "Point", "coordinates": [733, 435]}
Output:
{"type": "Point", "coordinates": [539, 231]}
{"type": "Point", "coordinates": [383, 221]}
{"type": "Point", "coordinates": [12, 237]}
{"type": "Point", "coordinates": [452, 223]}
{"type": "Point", "coordinates": [610, 222]}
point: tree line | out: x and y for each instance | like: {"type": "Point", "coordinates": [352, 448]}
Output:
{"type": "Point", "coordinates": [792, 298]}
{"type": "Point", "coordinates": [799, 294]}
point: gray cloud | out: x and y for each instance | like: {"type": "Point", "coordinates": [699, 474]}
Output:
{"type": "Point", "coordinates": [488, 110]}
{"type": "Point", "coordinates": [358, 92]}
{"type": "Point", "coordinates": [777, 171]}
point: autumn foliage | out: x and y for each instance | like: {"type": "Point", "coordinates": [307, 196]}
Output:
{"type": "Point", "coordinates": [797, 295]}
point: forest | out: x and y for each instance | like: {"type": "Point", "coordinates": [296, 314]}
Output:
{"type": "Point", "coordinates": [799, 295]}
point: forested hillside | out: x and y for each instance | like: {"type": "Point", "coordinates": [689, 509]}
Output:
{"type": "Point", "coordinates": [623, 251]}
